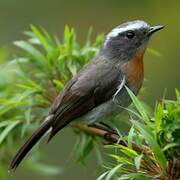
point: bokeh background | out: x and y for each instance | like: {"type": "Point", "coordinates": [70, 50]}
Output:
{"type": "Point", "coordinates": [161, 72]}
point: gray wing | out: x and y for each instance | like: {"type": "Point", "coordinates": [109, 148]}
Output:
{"type": "Point", "coordinates": [94, 85]}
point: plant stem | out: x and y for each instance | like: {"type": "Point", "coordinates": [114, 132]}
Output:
{"type": "Point", "coordinates": [110, 137]}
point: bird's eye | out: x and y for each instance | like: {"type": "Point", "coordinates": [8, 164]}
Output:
{"type": "Point", "coordinates": [130, 34]}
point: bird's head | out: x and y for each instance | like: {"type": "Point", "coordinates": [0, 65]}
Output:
{"type": "Point", "coordinates": [126, 39]}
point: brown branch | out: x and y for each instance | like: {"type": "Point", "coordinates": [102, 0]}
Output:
{"type": "Point", "coordinates": [110, 137]}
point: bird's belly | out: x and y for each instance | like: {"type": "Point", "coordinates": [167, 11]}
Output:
{"type": "Point", "coordinates": [102, 111]}
{"type": "Point", "coordinates": [108, 109]}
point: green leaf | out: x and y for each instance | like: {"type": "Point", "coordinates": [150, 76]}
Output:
{"type": "Point", "coordinates": [84, 147]}
{"type": "Point", "coordinates": [112, 172]}
{"type": "Point", "coordinates": [5, 123]}
{"type": "Point", "coordinates": [158, 115]}
{"type": "Point", "coordinates": [58, 83]}
{"type": "Point", "coordinates": [137, 161]}
{"type": "Point", "coordinates": [7, 130]}
{"type": "Point", "coordinates": [139, 106]}
{"type": "Point", "coordinates": [135, 176]}
{"type": "Point", "coordinates": [130, 137]}
{"type": "Point", "coordinates": [146, 132]}
{"type": "Point", "coordinates": [88, 39]}
{"type": "Point", "coordinates": [102, 176]}
{"type": "Point", "coordinates": [72, 67]}
{"type": "Point", "coordinates": [34, 85]}
{"type": "Point", "coordinates": [120, 159]}
{"type": "Point", "coordinates": [24, 87]}
{"type": "Point", "coordinates": [128, 151]}
{"type": "Point", "coordinates": [34, 52]}
{"type": "Point", "coordinates": [177, 95]}
{"type": "Point", "coordinates": [69, 38]}
{"type": "Point", "coordinates": [171, 145]}
{"type": "Point", "coordinates": [44, 42]}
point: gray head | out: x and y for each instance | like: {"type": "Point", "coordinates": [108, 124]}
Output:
{"type": "Point", "coordinates": [126, 39]}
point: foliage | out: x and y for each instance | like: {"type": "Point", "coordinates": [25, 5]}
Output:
{"type": "Point", "coordinates": [29, 83]}
{"type": "Point", "coordinates": [159, 137]}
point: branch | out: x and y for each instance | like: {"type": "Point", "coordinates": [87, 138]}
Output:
{"type": "Point", "coordinates": [110, 137]}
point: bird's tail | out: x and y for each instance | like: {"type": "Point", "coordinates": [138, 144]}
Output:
{"type": "Point", "coordinates": [31, 142]}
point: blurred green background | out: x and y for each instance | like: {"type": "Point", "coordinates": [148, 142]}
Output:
{"type": "Point", "coordinates": [161, 72]}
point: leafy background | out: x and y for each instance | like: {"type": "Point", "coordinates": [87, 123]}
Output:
{"type": "Point", "coordinates": [161, 72]}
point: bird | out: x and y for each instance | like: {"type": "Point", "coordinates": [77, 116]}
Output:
{"type": "Point", "coordinates": [98, 90]}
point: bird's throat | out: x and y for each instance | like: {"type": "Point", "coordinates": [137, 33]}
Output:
{"type": "Point", "coordinates": [134, 71]}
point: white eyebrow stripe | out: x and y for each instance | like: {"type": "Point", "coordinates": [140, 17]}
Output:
{"type": "Point", "coordinates": [117, 30]}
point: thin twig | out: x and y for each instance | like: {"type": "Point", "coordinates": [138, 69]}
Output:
{"type": "Point", "coordinates": [110, 137]}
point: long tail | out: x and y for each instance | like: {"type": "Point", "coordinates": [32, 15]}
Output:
{"type": "Point", "coordinates": [31, 142]}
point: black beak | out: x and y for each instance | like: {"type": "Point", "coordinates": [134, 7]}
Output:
{"type": "Point", "coordinates": [154, 29]}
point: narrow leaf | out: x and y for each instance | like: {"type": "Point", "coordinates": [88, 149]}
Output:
{"type": "Point", "coordinates": [102, 176]}
{"type": "Point", "coordinates": [139, 106]}
{"type": "Point", "coordinates": [6, 131]}
{"type": "Point", "coordinates": [137, 161]}
{"type": "Point", "coordinates": [112, 172]}
{"type": "Point", "coordinates": [153, 144]}
{"type": "Point", "coordinates": [31, 50]}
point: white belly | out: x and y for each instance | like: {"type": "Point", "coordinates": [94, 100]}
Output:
{"type": "Point", "coordinates": [102, 111]}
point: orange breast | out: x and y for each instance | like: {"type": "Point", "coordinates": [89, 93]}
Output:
{"type": "Point", "coordinates": [134, 71]}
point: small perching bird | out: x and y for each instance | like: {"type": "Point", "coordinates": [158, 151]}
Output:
{"type": "Point", "coordinates": [98, 90]}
